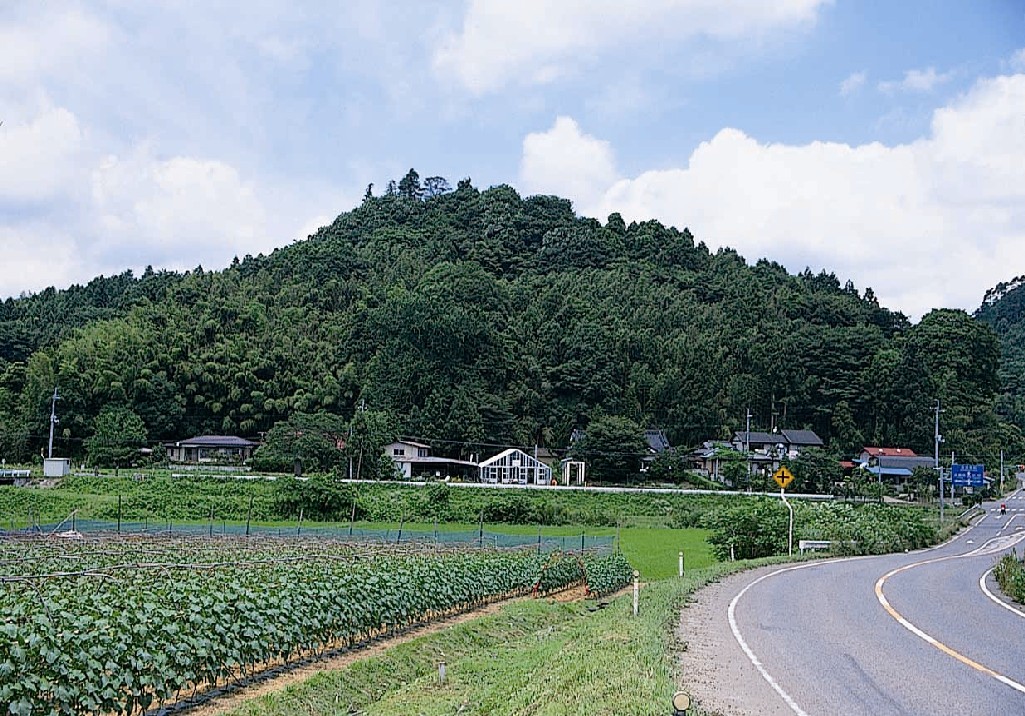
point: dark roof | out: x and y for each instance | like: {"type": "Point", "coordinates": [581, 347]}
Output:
{"type": "Point", "coordinates": [757, 438]}
{"type": "Point", "coordinates": [223, 441]}
{"type": "Point", "coordinates": [908, 462]}
{"type": "Point", "coordinates": [803, 437]}
{"type": "Point", "coordinates": [656, 440]}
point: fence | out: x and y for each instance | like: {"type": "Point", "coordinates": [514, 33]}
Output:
{"type": "Point", "coordinates": [478, 537]}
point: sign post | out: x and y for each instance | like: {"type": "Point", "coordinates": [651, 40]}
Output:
{"type": "Point", "coordinates": [783, 478]}
{"type": "Point", "coordinates": [967, 475]}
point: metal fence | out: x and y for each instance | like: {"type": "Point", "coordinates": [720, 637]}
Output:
{"type": "Point", "coordinates": [479, 537]}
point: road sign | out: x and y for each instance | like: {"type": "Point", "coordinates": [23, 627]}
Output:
{"type": "Point", "coordinates": [783, 477]}
{"type": "Point", "coordinates": [967, 475]}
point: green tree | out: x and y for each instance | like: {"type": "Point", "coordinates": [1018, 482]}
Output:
{"type": "Point", "coordinates": [316, 440]}
{"type": "Point", "coordinates": [370, 431]}
{"type": "Point", "coordinates": [612, 447]}
{"type": "Point", "coordinates": [815, 470]}
{"type": "Point", "coordinates": [755, 527]}
{"type": "Point", "coordinates": [118, 436]}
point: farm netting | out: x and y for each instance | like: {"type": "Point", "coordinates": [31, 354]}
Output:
{"type": "Point", "coordinates": [486, 538]}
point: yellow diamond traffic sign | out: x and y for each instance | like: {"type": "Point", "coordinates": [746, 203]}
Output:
{"type": "Point", "coordinates": [783, 477]}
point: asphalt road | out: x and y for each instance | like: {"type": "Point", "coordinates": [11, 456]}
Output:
{"type": "Point", "coordinates": [914, 633]}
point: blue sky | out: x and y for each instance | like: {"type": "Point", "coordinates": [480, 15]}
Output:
{"type": "Point", "coordinates": [883, 141]}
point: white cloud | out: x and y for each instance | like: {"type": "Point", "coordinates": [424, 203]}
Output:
{"type": "Point", "coordinates": [1017, 62]}
{"type": "Point", "coordinates": [927, 224]}
{"type": "Point", "coordinates": [536, 41]}
{"type": "Point", "coordinates": [565, 157]}
{"type": "Point", "coordinates": [41, 154]}
{"type": "Point", "coordinates": [36, 256]}
{"type": "Point", "coordinates": [189, 211]}
{"type": "Point", "coordinates": [48, 42]}
{"type": "Point", "coordinates": [854, 82]}
{"type": "Point", "coordinates": [916, 81]}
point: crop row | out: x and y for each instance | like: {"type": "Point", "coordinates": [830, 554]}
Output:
{"type": "Point", "coordinates": [125, 642]}
{"type": "Point", "coordinates": [29, 557]}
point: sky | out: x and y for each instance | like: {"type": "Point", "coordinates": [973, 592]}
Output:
{"type": "Point", "coordinates": [881, 141]}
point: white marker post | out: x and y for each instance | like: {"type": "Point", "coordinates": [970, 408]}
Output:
{"type": "Point", "coordinates": [681, 562]}
{"type": "Point", "coordinates": [790, 531]}
{"type": "Point", "coordinates": [637, 591]}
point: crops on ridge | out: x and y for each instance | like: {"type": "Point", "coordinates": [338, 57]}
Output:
{"type": "Point", "coordinates": [120, 627]}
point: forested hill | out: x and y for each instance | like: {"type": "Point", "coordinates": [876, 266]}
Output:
{"type": "Point", "coordinates": [1003, 308]}
{"type": "Point", "coordinates": [472, 317]}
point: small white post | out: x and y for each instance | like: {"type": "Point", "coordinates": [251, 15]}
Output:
{"type": "Point", "coordinates": [790, 531]}
{"type": "Point", "coordinates": [681, 562]}
{"type": "Point", "coordinates": [637, 590]}
{"type": "Point", "coordinates": [441, 672]}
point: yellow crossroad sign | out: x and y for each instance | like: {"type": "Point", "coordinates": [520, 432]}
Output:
{"type": "Point", "coordinates": [783, 477]}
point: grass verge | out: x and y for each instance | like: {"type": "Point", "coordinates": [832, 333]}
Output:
{"type": "Point", "coordinates": [532, 657]}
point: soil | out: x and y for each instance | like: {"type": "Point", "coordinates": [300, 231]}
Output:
{"type": "Point", "coordinates": [714, 670]}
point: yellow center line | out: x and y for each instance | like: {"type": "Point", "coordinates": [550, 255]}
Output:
{"type": "Point", "coordinates": [932, 640]}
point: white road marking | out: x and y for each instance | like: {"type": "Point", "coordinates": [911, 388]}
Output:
{"type": "Point", "coordinates": [987, 548]}
{"type": "Point", "coordinates": [756, 662]}
{"type": "Point", "coordinates": [747, 649]}
{"type": "Point", "coordinates": [995, 598]}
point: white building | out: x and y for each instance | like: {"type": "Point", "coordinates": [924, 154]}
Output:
{"type": "Point", "coordinates": [413, 459]}
{"type": "Point", "coordinates": [515, 467]}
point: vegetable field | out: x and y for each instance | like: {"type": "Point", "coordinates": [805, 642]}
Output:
{"type": "Point", "coordinates": [125, 625]}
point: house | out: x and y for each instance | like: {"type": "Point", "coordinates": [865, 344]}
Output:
{"type": "Point", "coordinates": [515, 467]}
{"type": "Point", "coordinates": [778, 445]}
{"type": "Point", "coordinates": [707, 459]}
{"type": "Point", "coordinates": [215, 449]}
{"type": "Point", "coordinates": [799, 440]}
{"type": "Point", "coordinates": [413, 459]}
{"type": "Point", "coordinates": [895, 463]}
{"type": "Point", "coordinates": [655, 441]}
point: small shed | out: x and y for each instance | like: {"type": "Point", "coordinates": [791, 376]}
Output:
{"type": "Point", "coordinates": [56, 466]}
{"type": "Point", "coordinates": [515, 467]}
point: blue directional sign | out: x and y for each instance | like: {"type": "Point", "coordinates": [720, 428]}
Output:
{"type": "Point", "coordinates": [967, 475]}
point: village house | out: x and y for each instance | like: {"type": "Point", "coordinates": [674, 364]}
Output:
{"type": "Point", "coordinates": [414, 460]}
{"type": "Point", "coordinates": [210, 449]}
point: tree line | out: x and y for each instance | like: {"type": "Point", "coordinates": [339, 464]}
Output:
{"type": "Point", "coordinates": [471, 318]}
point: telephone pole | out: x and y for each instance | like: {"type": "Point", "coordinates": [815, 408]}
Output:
{"type": "Point", "coordinates": [939, 472]}
{"type": "Point", "coordinates": [53, 420]}
{"type": "Point", "coordinates": [747, 447]}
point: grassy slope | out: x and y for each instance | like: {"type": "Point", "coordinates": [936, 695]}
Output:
{"type": "Point", "coordinates": [533, 657]}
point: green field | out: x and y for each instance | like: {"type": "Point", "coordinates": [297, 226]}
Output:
{"type": "Point", "coordinates": [654, 552]}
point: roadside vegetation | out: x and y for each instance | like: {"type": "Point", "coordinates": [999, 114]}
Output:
{"type": "Point", "coordinates": [539, 657]}
{"type": "Point", "coordinates": [1010, 575]}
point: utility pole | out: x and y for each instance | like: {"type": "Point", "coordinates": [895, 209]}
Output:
{"type": "Point", "coordinates": [747, 447]}
{"type": "Point", "coordinates": [1001, 473]}
{"type": "Point", "coordinates": [939, 473]}
{"type": "Point", "coordinates": [53, 419]}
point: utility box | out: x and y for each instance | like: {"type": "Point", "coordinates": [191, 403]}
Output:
{"type": "Point", "coordinates": [56, 466]}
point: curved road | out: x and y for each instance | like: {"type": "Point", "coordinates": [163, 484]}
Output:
{"type": "Point", "coordinates": [917, 633]}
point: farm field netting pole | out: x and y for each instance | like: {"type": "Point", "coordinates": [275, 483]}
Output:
{"type": "Point", "coordinates": [119, 626]}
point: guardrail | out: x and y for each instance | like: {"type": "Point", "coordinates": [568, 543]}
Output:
{"type": "Point", "coordinates": [810, 544]}
{"type": "Point", "coordinates": [15, 473]}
